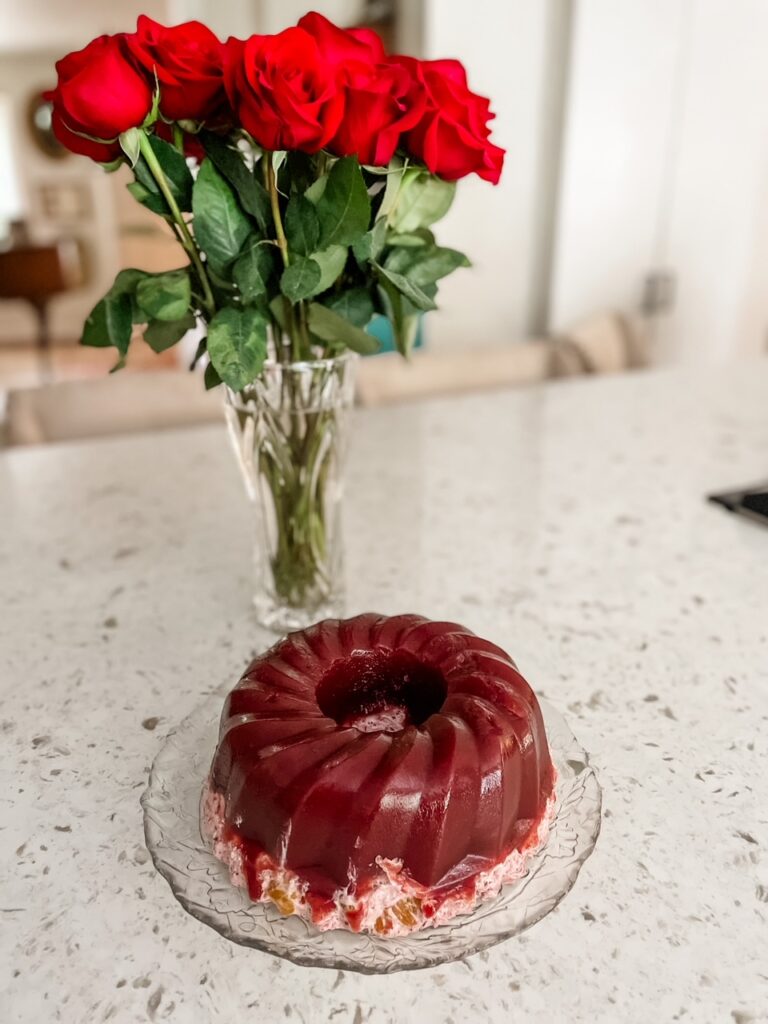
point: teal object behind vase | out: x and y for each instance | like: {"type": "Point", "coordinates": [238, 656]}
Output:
{"type": "Point", "coordinates": [381, 328]}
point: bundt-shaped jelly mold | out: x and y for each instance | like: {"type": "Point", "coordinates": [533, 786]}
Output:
{"type": "Point", "coordinates": [374, 741]}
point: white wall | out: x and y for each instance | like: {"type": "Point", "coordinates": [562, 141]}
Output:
{"type": "Point", "coordinates": [63, 25]}
{"type": "Point", "coordinates": [504, 45]}
{"type": "Point", "coordinates": [666, 168]}
{"type": "Point", "coordinates": [619, 122]}
{"type": "Point", "coordinates": [226, 18]}
{"type": "Point", "coordinates": [275, 15]}
{"type": "Point", "coordinates": [717, 233]}
{"type": "Point", "coordinates": [242, 17]}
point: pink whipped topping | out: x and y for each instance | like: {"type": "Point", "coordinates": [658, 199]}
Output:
{"type": "Point", "coordinates": [394, 905]}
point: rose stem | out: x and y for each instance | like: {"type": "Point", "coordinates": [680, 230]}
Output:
{"type": "Point", "coordinates": [187, 241]}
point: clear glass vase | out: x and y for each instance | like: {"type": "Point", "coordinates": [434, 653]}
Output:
{"type": "Point", "coordinates": [288, 429]}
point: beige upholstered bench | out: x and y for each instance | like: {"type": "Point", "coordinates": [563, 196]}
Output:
{"type": "Point", "coordinates": [119, 404]}
{"type": "Point", "coordinates": [132, 402]}
{"type": "Point", "coordinates": [604, 343]}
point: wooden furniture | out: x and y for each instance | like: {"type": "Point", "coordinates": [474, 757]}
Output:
{"type": "Point", "coordinates": [37, 273]}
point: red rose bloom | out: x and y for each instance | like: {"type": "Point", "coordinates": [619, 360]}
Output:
{"type": "Point", "coordinates": [283, 90]}
{"type": "Point", "coordinates": [189, 63]}
{"type": "Point", "coordinates": [99, 93]}
{"type": "Point", "coordinates": [380, 105]}
{"type": "Point", "coordinates": [453, 138]}
{"type": "Point", "coordinates": [381, 99]}
{"type": "Point", "coordinates": [339, 45]}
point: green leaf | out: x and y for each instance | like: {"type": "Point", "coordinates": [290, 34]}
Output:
{"type": "Point", "coordinates": [163, 334]}
{"type": "Point", "coordinates": [253, 270]}
{"type": "Point", "coordinates": [331, 262]}
{"type": "Point", "coordinates": [105, 326]}
{"type": "Point", "coordinates": [177, 174]}
{"type": "Point", "coordinates": [237, 345]}
{"type": "Point", "coordinates": [109, 323]}
{"type": "Point", "coordinates": [129, 143]}
{"type": "Point", "coordinates": [152, 200]}
{"type": "Point", "coordinates": [344, 208]}
{"type": "Point", "coordinates": [200, 351]}
{"type": "Point", "coordinates": [230, 163]}
{"type": "Point", "coordinates": [370, 246]}
{"type": "Point", "coordinates": [165, 296]}
{"type": "Point", "coordinates": [112, 165]}
{"type": "Point", "coordinates": [154, 110]}
{"type": "Point", "coordinates": [355, 305]}
{"type": "Point", "coordinates": [127, 279]}
{"type": "Point", "coordinates": [395, 176]}
{"type": "Point", "coordinates": [278, 308]}
{"type": "Point", "coordinates": [395, 165]}
{"type": "Point", "coordinates": [425, 265]}
{"type": "Point", "coordinates": [409, 329]}
{"type": "Point", "coordinates": [430, 290]}
{"type": "Point", "coordinates": [211, 377]}
{"type": "Point", "coordinates": [333, 328]}
{"type": "Point", "coordinates": [405, 325]}
{"type": "Point", "coordinates": [126, 283]}
{"type": "Point", "coordinates": [422, 200]}
{"type": "Point", "coordinates": [316, 190]}
{"type": "Point", "coordinates": [221, 227]}
{"type": "Point", "coordinates": [302, 226]}
{"type": "Point", "coordinates": [412, 292]}
{"type": "Point", "coordinates": [392, 305]}
{"type": "Point", "coordinates": [413, 240]}
{"type": "Point", "coordinates": [278, 159]}
{"type": "Point", "coordinates": [300, 279]}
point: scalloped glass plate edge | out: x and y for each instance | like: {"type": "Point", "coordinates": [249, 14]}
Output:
{"type": "Point", "coordinates": [201, 883]}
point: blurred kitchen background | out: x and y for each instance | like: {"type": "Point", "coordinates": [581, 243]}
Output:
{"type": "Point", "coordinates": [630, 226]}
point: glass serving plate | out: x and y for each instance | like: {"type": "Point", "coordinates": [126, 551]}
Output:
{"type": "Point", "coordinates": [201, 883]}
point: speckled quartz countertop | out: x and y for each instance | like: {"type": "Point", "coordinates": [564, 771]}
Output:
{"type": "Point", "coordinates": [566, 523]}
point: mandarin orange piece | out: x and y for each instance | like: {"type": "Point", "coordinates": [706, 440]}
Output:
{"type": "Point", "coordinates": [406, 911]}
{"type": "Point", "coordinates": [383, 924]}
{"type": "Point", "coordinates": [282, 900]}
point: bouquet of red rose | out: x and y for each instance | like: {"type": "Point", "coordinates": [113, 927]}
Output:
{"type": "Point", "coordinates": [301, 174]}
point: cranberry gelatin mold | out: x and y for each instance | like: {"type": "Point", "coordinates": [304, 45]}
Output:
{"type": "Point", "coordinates": [379, 774]}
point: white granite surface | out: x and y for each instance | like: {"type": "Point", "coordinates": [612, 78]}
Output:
{"type": "Point", "coordinates": [566, 523]}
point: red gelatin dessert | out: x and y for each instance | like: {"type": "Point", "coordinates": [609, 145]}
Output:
{"type": "Point", "coordinates": [379, 774]}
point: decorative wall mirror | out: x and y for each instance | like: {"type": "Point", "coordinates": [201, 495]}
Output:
{"type": "Point", "coordinates": [39, 125]}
